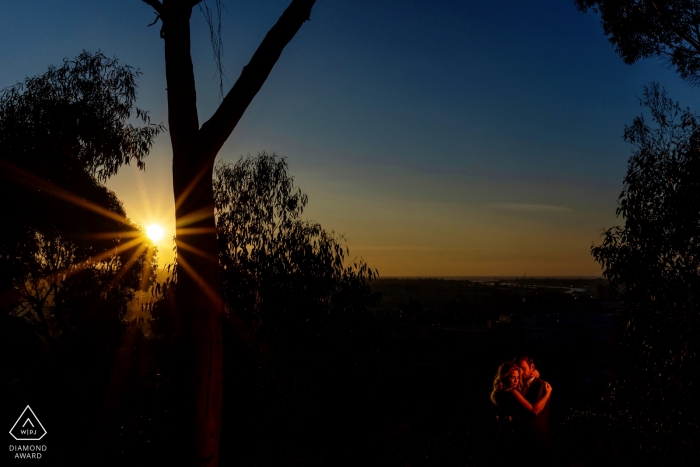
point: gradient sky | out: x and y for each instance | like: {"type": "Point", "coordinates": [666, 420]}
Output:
{"type": "Point", "coordinates": [443, 138]}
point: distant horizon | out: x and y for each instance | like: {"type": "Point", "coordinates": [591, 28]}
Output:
{"type": "Point", "coordinates": [162, 271]}
{"type": "Point", "coordinates": [490, 277]}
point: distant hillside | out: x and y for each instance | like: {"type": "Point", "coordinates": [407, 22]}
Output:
{"type": "Point", "coordinates": [438, 293]}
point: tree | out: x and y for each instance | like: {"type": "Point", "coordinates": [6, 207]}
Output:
{"type": "Point", "coordinates": [62, 134]}
{"type": "Point", "coordinates": [291, 294]}
{"type": "Point", "coordinates": [70, 259]}
{"type": "Point", "coordinates": [655, 261]}
{"type": "Point", "coordinates": [194, 151]}
{"type": "Point", "coordinates": [281, 273]}
{"type": "Point", "coordinates": [647, 28]}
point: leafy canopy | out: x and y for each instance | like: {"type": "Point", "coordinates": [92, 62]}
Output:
{"type": "Point", "coordinates": [644, 28]}
{"type": "Point", "coordinates": [279, 270]}
{"type": "Point", "coordinates": [80, 113]}
{"type": "Point", "coordinates": [289, 279]}
{"type": "Point", "coordinates": [658, 249]}
{"type": "Point", "coordinates": [66, 246]}
{"type": "Point", "coordinates": [655, 260]}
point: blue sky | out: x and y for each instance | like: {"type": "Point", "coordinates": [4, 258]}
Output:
{"type": "Point", "coordinates": [443, 138]}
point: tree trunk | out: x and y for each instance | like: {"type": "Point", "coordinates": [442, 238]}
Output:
{"type": "Point", "coordinates": [198, 291]}
{"type": "Point", "coordinates": [198, 296]}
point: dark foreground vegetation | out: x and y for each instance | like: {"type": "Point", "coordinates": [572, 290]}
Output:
{"type": "Point", "coordinates": [406, 383]}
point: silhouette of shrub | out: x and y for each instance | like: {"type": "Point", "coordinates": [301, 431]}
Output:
{"type": "Point", "coordinates": [654, 260]}
{"type": "Point", "coordinates": [70, 260]}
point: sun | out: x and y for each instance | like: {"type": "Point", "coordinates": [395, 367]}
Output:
{"type": "Point", "coordinates": [154, 232]}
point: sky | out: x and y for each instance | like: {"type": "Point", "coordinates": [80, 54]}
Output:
{"type": "Point", "coordinates": [441, 138]}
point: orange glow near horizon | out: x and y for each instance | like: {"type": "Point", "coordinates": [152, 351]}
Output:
{"type": "Point", "coordinates": [465, 235]}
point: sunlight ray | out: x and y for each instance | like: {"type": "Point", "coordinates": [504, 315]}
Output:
{"type": "Point", "coordinates": [196, 230]}
{"type": "Point", "coordinates": [150, 252]}
{"type": "Point", "coordinates": [122, 271]}
{"type": "Point", "coordinates": [126, 266]}
{"type": "Point", "coordinates": [192, 217]}
{"type": "Point", "coordinates": [201, 283]}
{"type": "Point", "coordinates": [197, 251]}
{"type": "Point", "coordinates": [107, 253]}
{"type": "Point", "coordinates": [32, 180]}
{"type": "Point", "coordinates": [76, 268]}
{"type": "Point", "coordinates": [113, 235]}
{"type": "Point", "coordinates": [186, 192]}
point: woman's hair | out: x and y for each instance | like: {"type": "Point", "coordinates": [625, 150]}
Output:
{"type": "Point", "coordinates": [503, 371]}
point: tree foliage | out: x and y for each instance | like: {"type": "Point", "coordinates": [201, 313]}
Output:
{"type": "Point", "coordinates": [77, 115]}
{"type": "Point", "coordinates": [68, 254]}
{"type": "Point", "coordinates": [654, 259]}
{"type": "Point", "coordinates": [282, 274]}
{"type": "Point", "coordinates": [280, 271]}
{"type": "Point", "coordinates": [291, 294]}
{"type": "Point", "coordinates": [645, 28]}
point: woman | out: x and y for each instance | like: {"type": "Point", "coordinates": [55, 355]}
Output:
{"type": "Point", "coordinates": [514, 411]}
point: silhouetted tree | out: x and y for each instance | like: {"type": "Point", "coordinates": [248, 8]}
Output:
{"type": "Point", "coordinates": [291, 283]}
{"type": "Point", "coordinates": [194, 151]}
{"type": "Point", "coordinates": [282, 274]}
{"type": "Point", "coordinates": [654, 259]}
{"type": "Point", "coordinates": [289, 289]}
{"type": "Point", "coordinates": [69, 258]}
{"type": "Point", "coordinates": [62, 134]}
{"type": "Point", "coordinates": [647, 28]}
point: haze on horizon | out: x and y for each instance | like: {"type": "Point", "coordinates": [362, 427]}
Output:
{"type": "Point", "coordinates": [459, 138]}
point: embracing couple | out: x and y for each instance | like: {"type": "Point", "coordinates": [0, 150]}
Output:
{"type": "Point", "coordinates": [522, 399]}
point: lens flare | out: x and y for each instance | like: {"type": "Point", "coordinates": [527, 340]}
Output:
{"type": "Point", "coordinates": [154, 232]}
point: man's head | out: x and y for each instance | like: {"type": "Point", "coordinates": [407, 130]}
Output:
{"type": "Point", "coordinates": [526, 365]}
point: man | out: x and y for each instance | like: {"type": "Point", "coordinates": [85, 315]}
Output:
{"type": "Point", "coordinates": [533, 390]}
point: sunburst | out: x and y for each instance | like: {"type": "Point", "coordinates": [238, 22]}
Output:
{"type": "Point", "coordinates": [155, 232]}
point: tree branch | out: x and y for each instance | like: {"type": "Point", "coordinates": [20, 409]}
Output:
{"type": "Point", "coordinates": [179, 75]}
{"type": "Point", "coordinates": [155, 20]}
{"type": "Point", "coordinates": [218, 128]}
{"type": "Point", "coordinates": [156, 5]}
{"type": "Point", "coordinates": [694, 43]}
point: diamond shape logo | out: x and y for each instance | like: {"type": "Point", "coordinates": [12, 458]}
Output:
{"type": "Point", "coordinates": [27, 427]}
